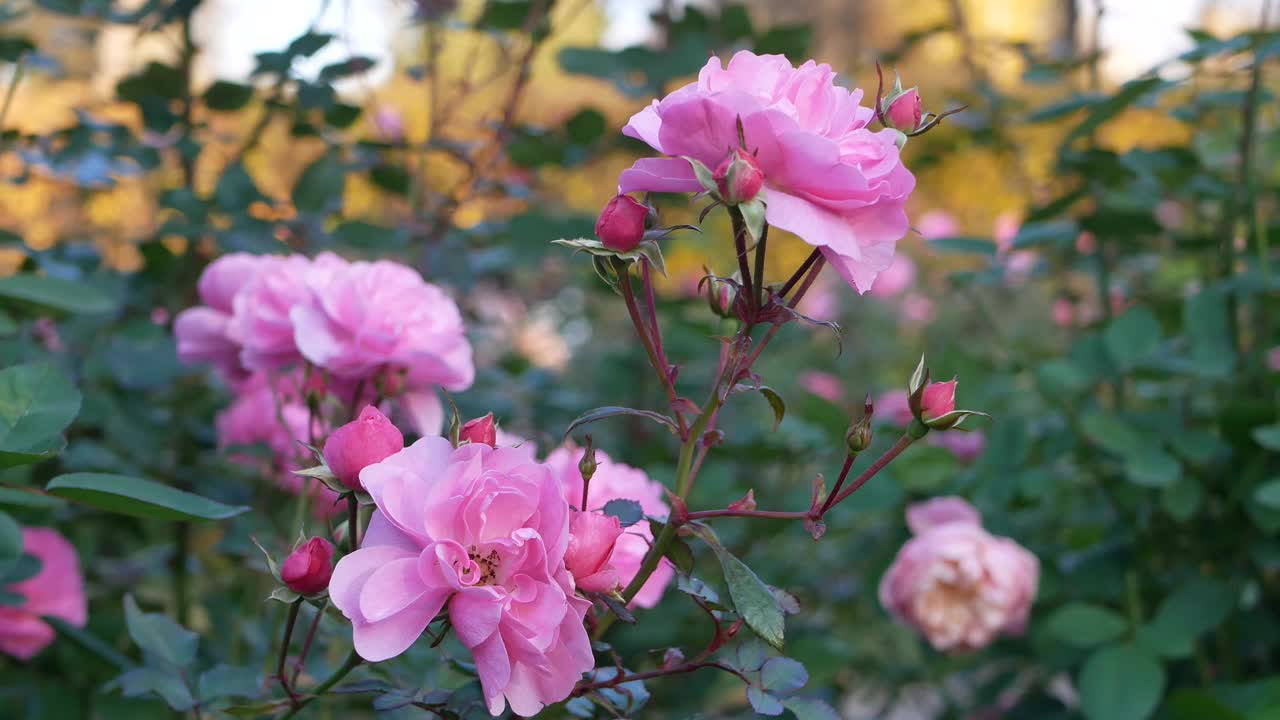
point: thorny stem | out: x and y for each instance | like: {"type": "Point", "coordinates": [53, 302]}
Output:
{"type": "Point", "coordinates": [800, 272]}
{"type": "Point", "coordinates": [646, 278]}
{"type": "Point", "coordinates": [306, 643]}
{"type": "Point", "coordinates": [740, 249]}
{"type": "Point", "coordinates": [814, 271]}
{"type": "Point", "coordinates": [352, 661]}
{"type": "Point", "coordinates": [763, 514]}
{"type": "Point", "coordinates": [294, 607]}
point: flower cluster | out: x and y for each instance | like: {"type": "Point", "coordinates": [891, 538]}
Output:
{"type": "Point", "coordinates": [954, 582]}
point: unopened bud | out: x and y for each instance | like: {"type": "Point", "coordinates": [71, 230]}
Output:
{"type": "Point", "coordinates": [858, 437]}
{"type": "Point", "coordinates": [937, 399]}
{"type": "Point", "coordinates": [903, 111]}
{"type": "Point", "coordinates": [720, 297]}
{"type": "Point", "coordinates": [621, 223]}
{"type": "Point", "coordinates": [308, 568]}
{"type": "Point", "coordinates": [587, 465]}
{"type": "Point", "coordinates": [481, 430]}
{"type": "Point", "coordinates": [738, 177]}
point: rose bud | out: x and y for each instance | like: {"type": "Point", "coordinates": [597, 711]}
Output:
{"type": "Point", "coordinates": [621, 223]}
{"type": "Point", "coordinates": [481, 431]}
{"type": "Point", "coordinates": [738, 177]}
{"type": "Point", "coordinates": [307, 569]}
{"type": "Point", "coordinates": [369, 439]}
{"type": "Point", "coordinates": [938, 399]}
{"type": "Point", "coordinates": [903, 111]}
{"type": "Point", "coordinates": [592, 536]}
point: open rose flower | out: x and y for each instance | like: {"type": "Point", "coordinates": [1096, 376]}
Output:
{"type": "Point", "coordinates": [57, 590]}
{"type": "Point", "coordinates": [260, 321]}
{"type": "Point", "coordinates": [957, 584]}
{"type": "Point", "coordinates": [203, 332]}
{"type": "Point", "coordinates": [614, 481]}
{"type": "Point", "coordinates": [480, 533]}
{"type": "Point", "coordinates": [828, 178]}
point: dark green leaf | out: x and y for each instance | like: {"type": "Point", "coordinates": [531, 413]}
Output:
{"type": "Point", "coordinates": [29, 498]}
{"type": "Point", "coordinates": [1194, 609]}
{"type": "Point", "coordinates": [1204, 317]}
{"type": "Point", "coordinates": [92, 643]}
{"type": "Point", "coordinates": [783, 675]}
{"type": "Point", "coordinates": [1056, 233]}
{"type": "Point", "coordinates": [1120, 683]}
{"type": "Point", "coordinates": [1083, 625]}
{"type": "Point", "coordinates": [222, 681]}
{"type": "Point", "coordinates": [613, 411]}
{"type": "Point", "coordinates": [1268, 436]}
{"type": "Point", "coordinates": [1268, 494]}
{"type": "Point", "coordinates": [55, 293]}
{"type": "Point", "coordinates": [790, 40]}
{"type": "Point", "coordinates": [27, 567]}
{"type": "Point", "coordinates": [964, 246]}
{"type": "Point", "coordinates": [159, 636]}
{"type": "Point", "coordinates": [751, 597]}
{"type": "Point", "coordinates": [164, 682]}
{"type": "Point", "coordinates": [138, 497]}
{"type": "Point", "coordinates": [1132, 337]}
{"type": "Point", "coordinates": [223, 95]}
{"type": "Point", "coordinates": [36, 404]}
{"type": "Point", "coordinates": [319, 189]}
{"type": "Point", "coordinates": [628, 512]}
{"type": "Point", "coordinates": [10, 544]}
{"type": "Point", "coordinates": [806, 708]}
{"type": "Point", "coordinates": [762, 702]}
{"type": "Point", "coordinates": [1101, 112]}
{"type": "Point", "coordinates": [308, 44]}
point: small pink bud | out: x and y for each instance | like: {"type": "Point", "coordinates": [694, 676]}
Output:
{"type": "Point", "coordinates": [481, 431]}
{"type": "Point", "coordinates": [738, 177]}
{"type": "Point", "coordinates": [592, 536]}
{"type": "Point", "coordinates": [369, 439]}
{"type": "Point", "coordinates": [307, 569]}
{"type": "Point", "coordinates": [939, 399]}
{"type": "Point", "coordinates": [904, 112]}
{"type": "Point", "coordinates": [621, 223]}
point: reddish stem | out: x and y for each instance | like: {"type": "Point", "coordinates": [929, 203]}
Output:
{"type": "Point", "coordinates": [646, 278]}
{"type": "Point", "coordinates": [844, 473]}
{"type": "Point", "coordinates": [663, 672]}
{"type": "Point", "coordinates": [659, 366]}
{"type": "Point", "coordinates": [306, 643]}
{"type": "Point", "coordinates": [902, 444]}
{"type": "Point", "coordinates": [766, 514]}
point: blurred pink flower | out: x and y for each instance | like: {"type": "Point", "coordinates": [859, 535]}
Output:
{"type": "Point", "coordinates": [966, 446]}
{"type": "Point", "coordinates": [829, 179]}
{"type": "Point", "coordinates": [1086, 243]}
{"type": "Point", "coordinates": [917, 309]}
{"type": "Point", "coordinates": [937, 224]}
{"type": "Point", "coordinates": [369, 439]}
{"type": "Point", "coordinates": [896, 279]}
{"type": "Point", "coordinates": [1064, 312]}
{"type": "Point", "coordinates": [389, 123]}
{"type": "Point", "coordinates": [159, 316]}
{"type": "Point", "coordinates": [357, 319]}
{"type": "Point", "coordinates": [956, 584]}
{"type": "Point", "coordinates": [614, 481]}
{"type": "Point", "coordinates": [1273, 359]}
{"type": "Point", "coordinates": [893, 406]}
{"type": "Point", "coordinates": [1170, 214]}
{"type": "Point", "coordinates": [203, 332]}
{"type": "Point", "coordinates": [822, 302]}
{"type": "Point", "coordinates": [824, 385]}
{"type": "Point", "coordinates": [57, 590]}
{"type": "Point", "coordinates": [592, 539]}
{"type": "Point", "coordinates": [260, 321]}
{"type": "Point", "coordinates": [483, 531]}
{"type": "Point", "coordinates": [46, 331]}
{"type": "Point", "coordinates": [1006, 229]}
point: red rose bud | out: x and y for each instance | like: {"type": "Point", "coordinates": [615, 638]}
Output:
{"type": "Point", "coordinates": [902, 112]}
{"type": "Point", "coordinates": [937, 400]}
{"type": "Point", "coordinates": [738, 177]}
{"type": "Point", "coordinates": [307, 569]}
{"type": "Point", "coordinates": [369, 439]}
{"type": "Point", "coordinates": [621, 223]}
{"type": "Point", "coordinates": [481, 431]}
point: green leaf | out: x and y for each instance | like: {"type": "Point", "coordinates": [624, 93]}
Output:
{"type": "Point", "coordinates": [27, 567]}
{"type": "Point", "coordinates": [775, 402]}
{"type": "Point", "coordinates": [753, 215]}
{"type": "Point", "coordinates": [36, 404]}
{"type": "Point", "coordinates": [1112, 433]}
{"type": "Point", "coordinates": [1152, 467]}
{"type": "Point", "coordinates": [10, 544]}
{"type": "Point", "coordinates": [783, 675]}
{"type": "Point", "coordinates": [1054, 233]}
{"type": "Point", "coordinates": [308, 44]}
{"type": "Point", "coordinates": [159, 636]}
{"type": "Point", "coordinates": [790, 40]}
{"type": "Point", "coordinates": [223, 681]}
{"type": "Point", "coordinates": [964, 246]}
{"type": "Point", "coordinates": [751, 597]}
{"type": "Point", "coordinates": [164, 682]}
{"type": "Point", "coordinates": [609, 411]}
{"type": "Point", "coordinates": [56, 294]}
{"type": "Point", "coordinates": [1267, 436]}
{"type": "Point", "coordinates": [1204, 318]}
{"type": "Point", "coordinates": [1268, 494]}
{"type": "Point", "coordinates": [1132, 337]}
{"type": "Point", "coordinates": [1121, 682]}
{"type": "Point", "coordinates": [319, 188]}
{"type": "Point", "coordinates": [1083, 625]}
{"type": "Point", "coordinates": [223, 95]}
{"type": "Point", "coordinates": [92, 643]}
{"type": "Point", "coordinates": [138, 497]}
{"type": "Point", "coordinates": [628, 512]}
{"type": "Point", "coordinates": [1109, 108]}
{"type": "Point", "coordinates": [805, 708]}
{"type": "Point", "coordinates": [1194, 609]}
{"type": "Point", "coordinates": [29, 499]}
{"type": "Point", "coordinates": [678, 551]}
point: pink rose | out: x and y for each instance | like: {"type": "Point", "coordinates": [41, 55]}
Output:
{"type": "Point", "coordinates": [480, 430]}
{"type": "Point", "coordinates": [482, 531]}
{"type": "Point", "coordinates": [894, 406]}
{"type": "Point", "coordinates": [938, 399]}
{"type": "Point", "coordinates": [614, 481]}
{"type": "Point", "coordinates": [621, 223]}
{"type": "Point", "coordinates": [592, 538]}
{"type": "Point", "coordinates": [307, 569]}
{"type": "Point", "coordinates": [203, 332]}
{"type": "Point", "coordinates": [956, 584]}
{"type": "Point", "coordinates": [1064, 312]}
{"type": "Point", "coordinates": [917, 309]}
{"type": "Point", "coordinates": [1005, 230]}
{"type": "Point", "coordinates": [260, 313]}
{"type": "Point", "coordinates": [896, 278]}
{"type": "Point", "coordinates": [359, 318]}
{"type": "Point", "coordinates": [56, 590]}
{"type": "Point", "coordinates": [937, 224]}
{"type": "Point", "coordinates": [1273, 359]}
{"type": "Point", "coordinates": [905, 112]}
{"type": "Point", "coordinates": [369, 439]}
{"type": "Point", "coordinates": [824, 385]}
{"type": "Point", "coordinates": [829, 179]}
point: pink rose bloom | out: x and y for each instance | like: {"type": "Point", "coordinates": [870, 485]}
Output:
{"type": "Point", "coordinates": [482, 531]}
{"type": "Point", "coordinates": [966, 446]}
{"type": "Point", "coordinates": [955, 583]}
{"type": "Point", "coordinates": [592, 539]}
{"type": "Point", "coordinates": [828, 178]}
{"type": "Point", "coordinates": [894, 407]}
{"type": "Point", "coordinates": [362, 317]}
{"type": "Point", "coordinates": [202, 332]}
{"type": "Point", "coordinates": [260, 313]}
{"type": "Point", "coordinates": [1006, 229]}
{"type": "Point", "coordinates": [389, 123]}
{"type": "Point", "coordinates": [1273, 359]}
{"type": "Point", "coordinates": [1086, 243]}
{"type": "Point", "coordinates": [937, 224]}
{"type": "Point", "coordinates": [824, 385]}
{"type": "Point", "coordinates": [896, 278]}
{"type": "Point", "coordinates": [57, 590]}
{"type": "Point", "coordinates": [614, 481]}
{"type": "Point", "coordinates": [917, 309]}
{"type": "Point", "coordinates": [1064, 312]}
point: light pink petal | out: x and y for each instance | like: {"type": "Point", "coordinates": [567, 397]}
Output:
{"type": "Point", "coordinates": [382, 532]}
{"type": "Point", "coordinates": [425, 411]}
{"type": "Point", "coordinates": [923, 516]}
{"type": "Point", "coordinates": [390, 589]}
{"type": "Point", "coordinates": [23, 635]}
{"type": "Point", "coordinates": [475, 613]}
{"type": "Point", "coordinates": [658, 175]}
{"type": "Point", "coordinates": [384, 640]}
{"type": "Point", "coordinates": [494, 668]}
{"type": "Point", "coordinates": [353, 571]}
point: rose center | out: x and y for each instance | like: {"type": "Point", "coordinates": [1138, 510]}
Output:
{"type": "Point", "coordinates": [486, 565]}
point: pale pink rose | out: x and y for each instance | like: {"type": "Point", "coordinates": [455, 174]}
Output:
{"type": "Point", "coordinates": [1064, 312]}
{"type": "Point", "coordinates": [592, 539]}
{"type": "Point", "coordinates": [896, 279]}
{"type": "Point", "coordinates": [928, 514]}
{"type": "Point", "coordinates": [894, 407]}
{"type": "Point", "coordinates": [1006, 229]}
{"type": "Point", "coordinates": [1273, 359]}
{"type": "Point", "coordinates": [366, 316]}
{"type": "Point", "coordinates": [389, 123]}
{"type": "Point", "coordinates": [824, 385]}
{"type": "Point", "coordinates": [958, 585]}
{"type": "Point", "coordinates": [614, 481]}
{"type": "Point", "coordinates": [828, 178]}
{"type": "Point", "coordinates": [937, 224]}
{"type": "Point", "coordinates": [482, 531]}
{"type": "Point", "coordinates": [260, 321]}
{"type": "Point", "coordinates": [917, 309]}
{"type": "Point", "coordinates": [57, 590]}
{"type": "Point", "coordinates": [1018, 266]}
{"type": "Point", "coordinates": [966, 446]}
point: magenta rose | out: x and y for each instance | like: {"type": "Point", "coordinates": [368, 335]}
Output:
{"type": "Point", "coordinates": [57, 590]}
{"type": "Point", "coordinates": [482, 532]}
{"type": "Point", "coordinates": [827, 178]}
